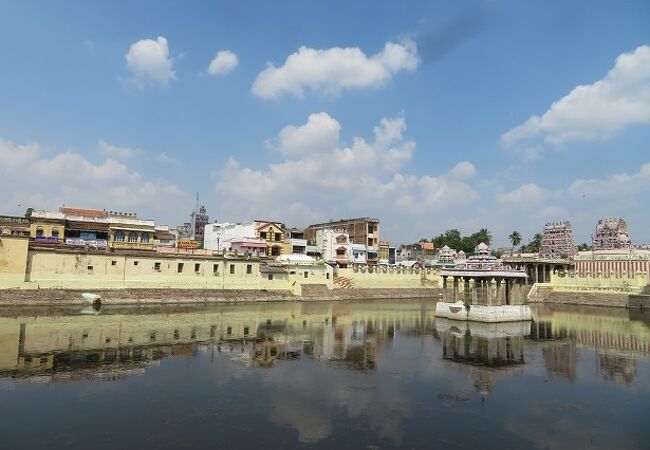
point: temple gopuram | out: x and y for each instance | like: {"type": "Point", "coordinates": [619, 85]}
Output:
{"type": "Point", "coordinates": [611, 234]}
{"type": "Point", "coordinates": [483, 289]}
{"type": "Point", "coordinates": [557, 241]}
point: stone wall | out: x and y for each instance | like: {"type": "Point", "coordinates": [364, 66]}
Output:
{"type": "Point", "coordinates": [586, 298]}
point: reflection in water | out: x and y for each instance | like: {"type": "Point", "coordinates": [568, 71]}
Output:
{"type": "Point", "coordinates": [384, 374]}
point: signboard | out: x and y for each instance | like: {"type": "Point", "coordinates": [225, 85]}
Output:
{"type": "Point", "coordinates": [78, 242]}
{"type": "Point", "coordinates": [187, 244]}
{"type": "Point", "coordinates": [47, 240]}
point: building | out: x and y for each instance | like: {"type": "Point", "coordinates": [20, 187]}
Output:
{"type": "Point", "coordinates": [483, 280]}
{"type": "Point", "coordinates": [361, 231]}
{"type": "Point", "coordinates": [622, 263]}
{"type": "Point", "coordinates": [611, 234]}
{"type": "Point", "coordinates": [96, 228]}
{"type": "Point", "coordinates": [164, 237]}
{"type": "Point", "coordinates": [234, 237]}
{"type": "Point", "coordinates": [334, 246]}
{"type": "Point", "coordinates": [260, 237]}
{"type": "Point", "coordinates": [557, 241]}
{"type": "Point", "coordinates": [199, 219]}
{"type": "Point", "coordinates": [295, 242]}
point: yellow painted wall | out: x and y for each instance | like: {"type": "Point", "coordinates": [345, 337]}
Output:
{"type": "Point", "coordinates": [598, 283]}
{"type": "Point", "coordinates": [13, 261]}
{"type": "Point", "coordinates": [47, 229]}
{"type": "Point", "coordinates": [391, 278]}
{"type": "Point", "coordinates": [99, 271]}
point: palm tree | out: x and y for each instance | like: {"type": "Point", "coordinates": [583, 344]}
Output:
{"type": "Point", "coordinates": [515, 238]}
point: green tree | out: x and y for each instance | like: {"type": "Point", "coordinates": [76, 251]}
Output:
{"type": "Point", "coordinates": [584, 247]}
{"type": "Point", "coordinates": [534, 244]}
{"type": "Point", "coordinates": [515, 238]}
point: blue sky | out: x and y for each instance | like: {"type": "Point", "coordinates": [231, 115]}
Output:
{"type": "Point", "coordinates": [414, 112]}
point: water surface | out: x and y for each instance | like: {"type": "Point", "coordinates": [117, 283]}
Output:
{"type": "Point", "coordinates": [365, 375]}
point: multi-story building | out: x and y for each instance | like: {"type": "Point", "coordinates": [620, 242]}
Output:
{"type": "Point", "coordinates": [199, 219]}
{"type": "Point", "coordinates": [295, 242]}
{"type": "Point", "coordinates": [362, 231]}
{"type": "Point", "coordinates": [334, 246]}
{"type": "Point", "coordinates": [259, 237]}
{"type": "Point", "coordinates": [78, 227]}
{"type": "Point", "coordinates": [611, 234]}
{"type": "Point", "coordinates": [557, 241]}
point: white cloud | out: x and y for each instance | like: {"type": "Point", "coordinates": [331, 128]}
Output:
{"type": "Point", "coordinates": [223, 63]}
{"type": "Point", "coordinates": [598, 110]}
{"type": "Point", "coordinates": [615, 186]}
{"type": "Point", "coordinates": [150, 63]}
{"type": "Point", "coordinates": [526, 194]}
{"type": "Point", "coordinates": [319, 134]}
{"type": "Point", "coordinates": [329, 178]}
{"type": "Point", "coordinates": [463, 170]}
{"type": "Point", "coordinates": [164, 158]}
{"type": "Point", "coordinates": [335, 69]}
{"type": "Point", "coordinates": [30, 179]}
{"type": "Point", "coordinates": [115, 152]}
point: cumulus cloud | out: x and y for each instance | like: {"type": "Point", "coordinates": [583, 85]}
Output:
{"type": "Point", "coordinates": [322, 176]}
{"type": "Point", "coordinates": [598, 110]}
{"type": "Point", "coordinates": [150, 63]}
{"type": "Point", "coordinates": [614, 186]}
{"type": "Point", "coordinates": [526, 194]}
{"type": "Point", "coordinates": [319, 134]}
{"type": "Point", "coordinates": [33, 179]}
{"type": "Point", "coordinates": [335, 69]}
{"type": "Point", "coordinates": [223, 63]}
{"type": "Point", "coordinates": [116, 152]}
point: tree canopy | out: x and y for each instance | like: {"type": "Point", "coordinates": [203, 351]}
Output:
{"type": "Point", "coordinates": [456, 241]}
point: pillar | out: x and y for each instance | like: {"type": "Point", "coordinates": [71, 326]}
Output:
{"type": "Point", "coordinates": [507, 296]}
{"type": "Point", "coordinates": [466, 294]}
{"type": "Point", "coordinates": [497, 294]}
{"type": "Point", "coordinates": [455, 294]}
{"type": "Point", "coordinates": [535, 274]}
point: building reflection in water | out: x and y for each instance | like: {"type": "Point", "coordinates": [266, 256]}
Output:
{"type": "Point", "coordinates": [121, 342]}
{"type": "Point", "coordinates": [489, 351]}
{"type": "Point", "coordinates": [618, 337]}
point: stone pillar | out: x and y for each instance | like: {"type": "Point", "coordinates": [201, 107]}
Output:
{"type": "Point", "coordinates": [507, 293]}
{"type": "Point", "coordinates": [535, 274]}
{"type": "Point", "coordinates": [466, 294]}
{"type": "Point", "coordinates": [497, 295]}
{"type": "Point", "coordinates": [454, 297]}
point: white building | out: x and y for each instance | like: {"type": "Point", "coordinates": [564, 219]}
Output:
{"type": "Point", "coordinates": [359, 254]}
{"type": "Point", "coordinates": [234, 237]}
{"type": "Point", "coordinates": [334, 246]}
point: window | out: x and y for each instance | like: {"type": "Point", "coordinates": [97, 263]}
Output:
{"type": "Point", "coordinates": [215, 269]}
{"type": "Point", "coordinates": [293, 272]}
{"type": "Point", "coordinates": [55, 232]}
{"type": "Point", "coordinates": [275, 251]}
{"type": "Point", "coordinates": [118, 236]}
{"type": "Point", "coordinates": [263, 234]}
{"type": "Point", "coordinates": [197, 267]}
{"type": "Point", "coordinates": [229, 330]}
{"type": "Point", "coordinates": [277, 237]}
{"type": "Point", "coordinates": [327, 275]}
{"type": "Point", "coordinates": [232, 269]}
{"type": "Point", "coordinates": [152, 336]}
{"type": "Point", "coordinates": [113, 263]}
{"type": "Point", "coordinates": [306, 274]}
{"type": "Point", "coordinates": [269, 276]}
{"type": "Point", "coordinates": [145, 238]}
{"type": "Point", "coordinates": [245, 330]}
{"type": "Point", "coordinates": [370, 241]}
{"type": "Point", "coordinates": [133, 237]}
{"type": "Point", "coordinates": [180, 267]}
{"type": "Point", "coordinates": [39, 232]}
{"type": "Point", "coordinates": [90, 268]}
{"type": "Point", "coordinates": [135, 263]}
{"type": "Point", "coordinates": [249, 268]}
{"type": "Point", "coordinates": [176, 334]}
{"type": "Point", "coordinates": [156, 266]}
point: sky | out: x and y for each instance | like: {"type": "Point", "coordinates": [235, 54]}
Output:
{"type": "Point", "coordinates": [429, 115]}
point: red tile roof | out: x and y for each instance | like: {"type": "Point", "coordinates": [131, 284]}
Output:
{"type": "Point", "coordinates": [99, 213]}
